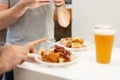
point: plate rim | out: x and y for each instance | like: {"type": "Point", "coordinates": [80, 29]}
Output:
{"type": "Point", "coordinates": [57, 64]}
{"type": "Point", "coordinates": [77, 49]}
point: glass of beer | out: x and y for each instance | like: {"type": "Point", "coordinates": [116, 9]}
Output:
{"type": "Point", "coordinates": [104, 38]}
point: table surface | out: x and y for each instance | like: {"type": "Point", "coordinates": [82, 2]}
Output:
{"type": "Point", "coordinates": [86, 68]}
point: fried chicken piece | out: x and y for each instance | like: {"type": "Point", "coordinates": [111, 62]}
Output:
{"type": "Point", "coordinates": [53, 56]}
{"type": "Point", "coordinates": [78, 40]}
{"type": "Point", "coordinates": [66, 41]}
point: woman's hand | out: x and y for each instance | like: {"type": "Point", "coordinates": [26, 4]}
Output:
{"type": "Point", "coordinates": [59, 2]}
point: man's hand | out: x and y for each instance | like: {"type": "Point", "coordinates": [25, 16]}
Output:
{"type": "Point", "coordinates": [33, 3]}
{"type": "Point", "coordinates": [30, 47]}
{"type": "Point", "coordinates": [11, 55]}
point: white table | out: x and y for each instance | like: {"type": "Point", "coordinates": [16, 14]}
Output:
{"type": "Point", "coordinates": [85, 69]}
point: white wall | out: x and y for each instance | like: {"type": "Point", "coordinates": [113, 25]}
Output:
{"type": "Point", "coordinates": [87, 13]}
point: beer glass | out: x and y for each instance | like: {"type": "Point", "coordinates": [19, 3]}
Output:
{"type": "Point", "coordinates": [104, 38]}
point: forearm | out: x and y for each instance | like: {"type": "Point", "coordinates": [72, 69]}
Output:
{"type": "Point", "coordinates": [63, 16]}
{"type": "Point", "coordinates": [9, 16]}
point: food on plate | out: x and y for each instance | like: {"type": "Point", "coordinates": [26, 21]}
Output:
{"type": "Point", "coordinates": [66, 41]}
{"type": "Point", "coordinates": [76, 45]}
{"type": "Point", "coordinates": [57, 55]}
{"type": "Point", "coordinates": [78, 40]}
{"type": "Point", "coordinates": [69, 42]}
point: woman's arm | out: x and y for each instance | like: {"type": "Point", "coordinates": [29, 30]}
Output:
{"type": "Point", "coordinates": [63, 15]}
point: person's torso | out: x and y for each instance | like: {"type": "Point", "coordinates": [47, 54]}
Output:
{"type": "Point", "coordinates": [34, 24]}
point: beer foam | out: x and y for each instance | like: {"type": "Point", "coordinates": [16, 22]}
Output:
{"type": "Point", "coordinates": [103, 27]}
{"type": "Point", "coordinates": [104, 31]}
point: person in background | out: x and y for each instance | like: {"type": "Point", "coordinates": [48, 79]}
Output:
{"type": "Point", "coordinates": [12, 55]}
{"type": "Point", "coordinates": [28, 20]}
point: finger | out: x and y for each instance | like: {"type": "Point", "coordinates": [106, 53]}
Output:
{"type": "Point", "coordinates": [43, 0]}
{"type": "Point", "coordinates": [21, 61]}
{"type": "Point", "coordinates": [33, 50]}
{"type": "Point", "coordinates": [36, 42]}
{"type": "Point", "coordinates": [22, 58]}
{"type": "Point", "coordinates": [43, 3]}
{"type": "Point", "coordinates": [57, 0]}
{"type": "Point", "coordinates": [25, 57]}
{"type": "Point", "coordinates": [31, 59]}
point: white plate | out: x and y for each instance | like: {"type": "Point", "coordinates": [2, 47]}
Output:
{"type": "Point", "coordinates": [87, 46]}
{"type": "Point", "coordinates": [73, 60]}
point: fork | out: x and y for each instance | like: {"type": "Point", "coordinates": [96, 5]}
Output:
{"type": "Point", "coordinates": [56, 44]}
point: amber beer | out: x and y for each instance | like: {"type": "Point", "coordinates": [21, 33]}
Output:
{"type": "Point", "coordinates": [104, 38]}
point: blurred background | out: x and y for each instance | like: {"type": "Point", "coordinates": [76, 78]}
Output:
{"type": "Point", "coordinates": [68, 1]}
{"type": "Point", "coordinates": [88, 13]}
